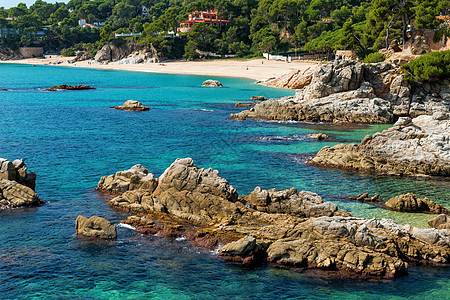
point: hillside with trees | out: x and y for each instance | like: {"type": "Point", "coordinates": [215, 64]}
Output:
{"type": "Point", "coordinates": [253, 27]}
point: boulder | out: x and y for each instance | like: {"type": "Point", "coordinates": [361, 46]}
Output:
{"type": "Point", "coordinates": [128, 53]}
{"type": "Point", "coordinates": [416, 147]}
{"type": "Point", "coordinates": [14, 194]}
{"type": "Point", "coordinates": [411, 203]}
{"type": "Point", "coordinates": [212, 83]}
{"type": "Point", "coordinates": [95, 227]}
{"type": "Point", "coordinates": [246, 251]}
{"type": "Point", "coordinates": [318, 136]}
{"type": "Point", "coordinates": [132, 105]}
{"type": "Point", "coordinates": [440, 222]}
{"type": "Point", "coordinates": [239, 104]}
{"type": "Point", "coordinates": [137, 177]}
{"type": "Point", "coordinates": [83, 55]}
{"type": "Point", "coordinates": [294, 80]}
{"type": "Point", "coordinates": [17, 185]}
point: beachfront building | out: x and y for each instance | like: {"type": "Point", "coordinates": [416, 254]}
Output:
{"type": "Point", "coordinates": [209, 16]}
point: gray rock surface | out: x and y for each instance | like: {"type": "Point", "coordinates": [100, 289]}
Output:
{"type": "Point", "coordinates": [419, 146]}
{"type": "Point", "coordinates": [353, 92]}
{"type": "Point", "coordinates": [130, 52]}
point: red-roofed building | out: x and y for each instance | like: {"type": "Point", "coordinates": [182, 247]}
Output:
{"type": "Point", "coordinates": [195, 17]}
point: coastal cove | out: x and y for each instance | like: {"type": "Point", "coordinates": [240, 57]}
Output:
{"type": "Point", "coordinates": [71, 138]}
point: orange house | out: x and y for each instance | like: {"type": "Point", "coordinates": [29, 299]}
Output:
{"type": "Point", "coordinates": [209, 16]}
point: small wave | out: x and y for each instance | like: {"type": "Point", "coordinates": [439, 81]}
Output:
{"type": "Point", "coordinates": [281, 138]}
{"type": "Point", "coordinates": [126, 226]}
{"type": "Point", "coordinates": [217, 250]}
{"type": "Point", "coordinates": [202, 109]}
{"type": "Point", "coordinates": [180, 239]}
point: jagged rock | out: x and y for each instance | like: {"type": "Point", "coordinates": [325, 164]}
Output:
{"type": "Point", "coordinates": [354, 92]}
{"type": "Point", "coordinates": [135, 178]}
{"type": "Point", "coordinates": [285, 226]}
{"type": "Point", "coordinates": [303, 204]}
{"type": "Point", "coordinates": [95, 227]}
{"type": "Point", "coordinates": [3, 90]}
{"type": "Point", "coordinates": [440, 222]}
{"type": "Point", "coordinates": [128, 53]}
{"type": "Point", "coordinates": [294, 80]}
{"type": "Point", "coordinates": [83, 55]}
{"type": "Point", "coordinates": [370, 247]}
{"type": "Point", "coordinates": [318, 136]}
{"type": "Point", "coordinates": [69, 87]}
{"type": "Point", "coordinates": [17, 171]}
{"type": "Point", "coordinates": [246, 251]}
{"type": "Point", "coordinates": [419, 146]}
{"type": "Point", "coordinates": [14, 194]}
{"type": "Point", "coordinates": [132, 105]}
{"type": "Point", "coordinates": [212, 83]}
{"type": "Point", "coordinates": [411, 203]}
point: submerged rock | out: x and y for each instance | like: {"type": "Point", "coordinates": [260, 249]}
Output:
{"type": "Point", "coordinates": [69, 87]}
{"type": "Point", "coordinates": [212, 83]}
{"type": "Point", "coordinates": [132, 105]}
{"type": "Point", "coordinates": [419, 146]}
{"type": "Point", "coordinates": [95, 227]}
{"type": "Point", "coordinates": [283, 227]}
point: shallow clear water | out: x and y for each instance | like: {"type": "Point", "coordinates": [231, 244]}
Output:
{"type": "Point", "coordinates": [71, 139]}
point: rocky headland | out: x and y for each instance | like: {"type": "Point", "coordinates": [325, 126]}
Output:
{"type": "Point", "coordinates": [17, 185]}
{"type": "Point", "coordinates": [354, 92]}
{"type": "Point", "coordinates": [416, 147]}
{"type": "Point", "coordinates": [132, 105]}
{"type": "Point", "coordinates": [282, 227]}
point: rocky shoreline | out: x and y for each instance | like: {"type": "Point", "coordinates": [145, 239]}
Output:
{"type": "Point", "coordinates": [354, 92]}
{"type": "Point", "coordinates": [414, 147]}
{"type": "Point", "coordinates": [281, 227]}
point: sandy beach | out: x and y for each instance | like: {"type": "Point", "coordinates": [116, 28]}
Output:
{"type": "Point", "coordinates": [257, 69]}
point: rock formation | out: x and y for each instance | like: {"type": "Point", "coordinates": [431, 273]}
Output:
{"type": "Point", "coordinates": [69, 87]}
{"type": "Point", "coordinates": [283, 227]}
{"type": "Point", "coordinates": [129, 53]}
{"type": "Point", "coordinates": [354, 92]}
{"type": "Point", "coordinates": [83, 55]}
{"type": "Point", "coordinates": [132, 105]}
{"type": "Point", "coordinates": [440, 222]}
{"type": "Point", "coordinates": [95, 227]}
{"type": "Point", "coordinates": [212, 83]}
{"type": "Point", "coordinates": [239, 104]}
{"type": "Point", "coordinates": [16, 185]}
{"type": "Point", "coordinates": [293, 80]}
{"type": "Point", "coordinates": [419, 146]}
{"type": "Point", "coordinates": [404, 203]}
{"type": "Point", "coordinates": [411, 203]}
{"type": "Point", "coordinates": [318, 136]}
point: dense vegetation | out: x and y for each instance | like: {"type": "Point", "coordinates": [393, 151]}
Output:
{"type": "Point", "coordinates": [255, 25]}
{"type": "Point", "coordinates": [431, 66]}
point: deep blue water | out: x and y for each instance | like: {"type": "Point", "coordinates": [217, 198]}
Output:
{"type": "Point", "coordinates": [71, 139]}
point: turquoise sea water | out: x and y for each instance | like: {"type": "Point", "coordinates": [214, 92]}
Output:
{"type": "Point", "coordinates": [71, 139]}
